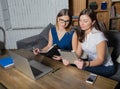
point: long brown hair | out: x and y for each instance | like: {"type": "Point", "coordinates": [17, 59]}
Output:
{"type": "Point", "coordinates": [64, 12]}
{"type": "Point", "coordinates": [92, 15]}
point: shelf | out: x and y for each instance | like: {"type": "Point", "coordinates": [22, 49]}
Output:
{"type": "Point", "coordinates": [115, 0]}
{"type": "Point", "coordinates": [115, 18]}
{"type": "Point", "coordinates": [99, 10]}
{"type": "Point", "coordinates": [109, 18]}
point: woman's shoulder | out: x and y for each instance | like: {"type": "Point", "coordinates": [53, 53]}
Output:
{"type": "Point", "coordinates": [98, 35]}
{"type": "Point", "coordinates": [53, 29]}
{"type": "Point", "coordinates": [97, 32]}
{"type": "Point", "coordinates": [72, 30]}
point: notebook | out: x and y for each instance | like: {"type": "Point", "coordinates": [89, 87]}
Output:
{"type": "Point", "coordinates": [32, 68]}
{"type": "Point", "coordinates": [53, 50]}
{"type": "Point", "coordinates": [6, 62]}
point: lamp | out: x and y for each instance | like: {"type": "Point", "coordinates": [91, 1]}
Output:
{"type": "Point", "coordinates": [118, 59]}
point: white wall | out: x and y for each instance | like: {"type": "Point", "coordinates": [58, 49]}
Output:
{"type": "Point", "coordinates": [1, 22]}
{"type": "Point", "coordinates": [13, 35]}
{"type": "Point", "coordinates": [25, 14]}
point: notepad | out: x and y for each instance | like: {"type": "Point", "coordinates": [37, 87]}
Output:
{"type": "Point", "coordinates": [6, 62]}
{"type": "Point", "coordinates": [53, 50]}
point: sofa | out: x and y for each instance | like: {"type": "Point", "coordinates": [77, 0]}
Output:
{"type": "Point", "coordinates": [41, 40]}
{"type": "Point", "coordinates": [37, 41]}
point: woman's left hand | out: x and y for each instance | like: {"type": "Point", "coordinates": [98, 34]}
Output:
{"type": "Point", "coordinates": [65, 62]}
{"type": "Point", "coordinates": [79, 64]}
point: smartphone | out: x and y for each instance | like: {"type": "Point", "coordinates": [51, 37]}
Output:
{"type": "Point", "coordinates": [91, 78]}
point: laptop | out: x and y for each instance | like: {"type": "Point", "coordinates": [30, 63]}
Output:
{"type": "Point", "coordinates": [31, 68]}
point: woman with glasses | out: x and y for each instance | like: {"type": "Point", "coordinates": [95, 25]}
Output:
{"type": "Point", "coordinates": [93, 42]}
{"type": "Point", "coordinates": [61, 34]}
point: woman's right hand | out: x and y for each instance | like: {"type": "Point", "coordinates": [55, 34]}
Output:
{"type": "Point", "coordinates": [36, 51]}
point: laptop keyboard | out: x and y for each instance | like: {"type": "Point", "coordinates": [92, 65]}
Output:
{"type": "Point", "coordinates": [35, 71]}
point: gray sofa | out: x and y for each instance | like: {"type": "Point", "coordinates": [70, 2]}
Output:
{"type": "Point", "coordinates": [38, 41]}
{"type": "Point", "coordinates": [41, 40]}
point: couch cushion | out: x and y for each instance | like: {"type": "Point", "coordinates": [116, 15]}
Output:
{"type": "Point", "coordinates": [41, 43]}
{"type": "Point", "coordinates": [30, 42]}
{"type": "Point", "coordinates": [45, 31]}
{"type": "Point", "coordinates": [38, 41]}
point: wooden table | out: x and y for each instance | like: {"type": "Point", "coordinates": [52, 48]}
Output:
{"type": "Point", "coordinates": [65, 77]}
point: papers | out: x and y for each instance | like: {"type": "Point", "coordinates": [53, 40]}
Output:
{"type": "Point", "coordinates": [6, 62]}
{"type": "Point", "coordinates": [69, 55]}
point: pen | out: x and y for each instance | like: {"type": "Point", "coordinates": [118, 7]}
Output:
{"type": "Point", "coordinates": [33, 47]}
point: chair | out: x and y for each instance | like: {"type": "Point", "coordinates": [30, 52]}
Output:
{"type": "Point", "coordinates": [114, 41]}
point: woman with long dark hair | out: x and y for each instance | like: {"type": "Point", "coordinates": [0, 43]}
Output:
{"type": "Point", "coordinates": [93, 42]}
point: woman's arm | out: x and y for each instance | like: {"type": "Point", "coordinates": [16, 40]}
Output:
{"type": "Point", "coordinates": [96, 62]}
{"type": "Point", "coordinates": [74, 41]}
{"type": "Point", "coordinates": [79, 49]}
{"type": "Point", "coordinates": [49, 42]}
{"type": "Point", "coordinates": [36, 51]}
{"type": "Point", "coordinates": [101, 50]}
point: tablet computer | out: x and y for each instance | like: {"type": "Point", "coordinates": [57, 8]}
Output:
{"type": "Point", "coordinates": [69, 55]}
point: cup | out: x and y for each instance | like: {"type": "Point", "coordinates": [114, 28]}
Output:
{"type": "Point", "coordinates": [104, 5]}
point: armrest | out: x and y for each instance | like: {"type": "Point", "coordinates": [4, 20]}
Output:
{"type": "Point", "coordinates": [118, 59]}
{"type": "Point", "coordinates": [30, 42]}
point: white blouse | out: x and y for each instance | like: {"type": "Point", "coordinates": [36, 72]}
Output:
{"type": "Point", "coordinates": [90, 44]}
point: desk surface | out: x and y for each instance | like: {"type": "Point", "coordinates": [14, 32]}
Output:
{"type": "Point", "coordinates": [65, 78]}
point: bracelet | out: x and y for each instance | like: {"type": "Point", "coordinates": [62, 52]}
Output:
{"type": "Point", "coordinates": [84, 64]}
{"type": "Point", "coordinates": [88, 64]}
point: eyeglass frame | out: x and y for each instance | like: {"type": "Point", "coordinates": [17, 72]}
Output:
{"type": "Point", "coordinates": [65, 21]}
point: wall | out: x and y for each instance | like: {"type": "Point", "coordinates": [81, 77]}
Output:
{"type": "Point", "coordinates": [24, 18]}
{"type": "Point", "coordinates": [1, 22]}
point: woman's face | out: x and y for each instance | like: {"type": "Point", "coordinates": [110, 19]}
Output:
{"type": "Point", "coordinates": [85, 22]}
{"type": "Point", "coordinates": [63, 21]}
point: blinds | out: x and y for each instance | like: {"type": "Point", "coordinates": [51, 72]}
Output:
{"type": "Point", "coordinates": [34, 13]}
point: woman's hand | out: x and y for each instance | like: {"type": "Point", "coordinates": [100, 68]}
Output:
{"type": "Point", "coordinates": [55, 57]}
{"type": "Point", "coordinates": [79, 63]}
{"type": "Point", "coordinates": [65, 62]}
{"type": "Point", "coordinates": [36, 51]}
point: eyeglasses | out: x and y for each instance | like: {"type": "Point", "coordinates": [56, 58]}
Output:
{"type": "Point", "coordinates": [64, 21]}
